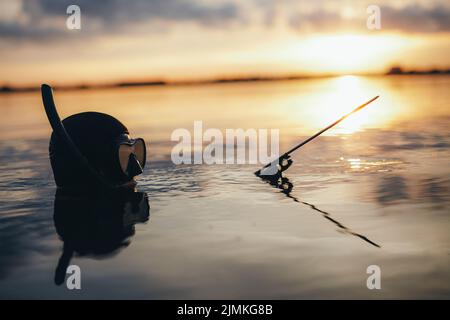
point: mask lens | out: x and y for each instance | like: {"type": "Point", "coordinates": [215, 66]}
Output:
{"type": "Point", "coordinates": [125, 150]}
{"type": "Point", "coordinates": [124, 154]}
{"type": "Point", "coordinates": [139, 151]}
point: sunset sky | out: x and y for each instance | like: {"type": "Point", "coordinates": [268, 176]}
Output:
{"type": "Point", "coordinates": [197, 39]}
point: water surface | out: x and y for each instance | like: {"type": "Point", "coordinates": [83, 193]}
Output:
{"type": "Point", "coordinates": [375, 190]}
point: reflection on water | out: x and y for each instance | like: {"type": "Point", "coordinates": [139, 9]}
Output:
{"type": "Point", "coordinates": [281, 182]}
{"type": "Point", "coordinates": [217, 231]}
{"type": "Point", "coordinates": [392, 189]}
{"type": "Point", "coordinates": [97, 226]}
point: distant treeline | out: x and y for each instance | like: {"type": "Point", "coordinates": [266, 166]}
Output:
{"type": "Point", "coordinates": [399, 70]}
{"type": "Point", "coordinates": [393, 71]}
{"type": "Point", "coordinates": [7, 89]}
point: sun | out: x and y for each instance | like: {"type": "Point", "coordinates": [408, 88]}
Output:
{"type": "Point", "coordinates": [351, 53]}
{"type": "Point", "coordinates": [344, 53]}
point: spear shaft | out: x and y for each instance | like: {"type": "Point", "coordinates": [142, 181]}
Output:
{"type": "Point", "coordinates": [284, 155]}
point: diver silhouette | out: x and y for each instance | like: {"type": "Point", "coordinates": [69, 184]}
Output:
{"type": "Point", "coordinates": [92, 150]}
{"type": "Point", "coordinates": [94, 162]}
{"type": "Point", "coordinates": [96, 226]}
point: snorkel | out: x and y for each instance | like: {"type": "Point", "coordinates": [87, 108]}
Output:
{"type": "Point", "coordinates": [60, 131]}
{"type": "Point", "coordinates": [66, 156]}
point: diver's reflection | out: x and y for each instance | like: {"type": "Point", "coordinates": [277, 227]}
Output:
{"type": "Point", "coordinates": [281, 182]}
{"type": "Point", "coordinates": [97, 226]}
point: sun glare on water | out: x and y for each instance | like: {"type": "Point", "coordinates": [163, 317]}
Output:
{"type": "Point", "coordinates": [342, 96]}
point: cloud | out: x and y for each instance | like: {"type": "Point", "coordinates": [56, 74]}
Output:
{"type": "Point", "coordinates": [411, 18]}
{"type": "Point", "coordinates": [46, 18]}
{"type": "Point", "coordinates": [414, 18]}
{"type": "Point", "coordinates": [112, 12]}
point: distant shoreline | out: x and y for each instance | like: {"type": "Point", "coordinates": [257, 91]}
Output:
{"type": "Point", "coordinates": [400, 71]}
{"type": "Point", "coordinates": [395, 71]}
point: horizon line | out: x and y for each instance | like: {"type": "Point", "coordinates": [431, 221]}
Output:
{"type": "Point", "coordinates": [5, 88]}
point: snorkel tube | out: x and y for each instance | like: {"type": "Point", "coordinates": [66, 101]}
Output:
{"type": "Point", "coordinates": [60, 131]}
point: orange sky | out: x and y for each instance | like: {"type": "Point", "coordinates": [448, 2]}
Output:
{"type": "Point", "coordinates": [188, 40]}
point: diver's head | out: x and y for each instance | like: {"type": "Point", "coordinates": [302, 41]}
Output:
{"type": "Point", "coordinates": [91, 149]}
{"type": "Point", "coordinates": [105, 143]}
